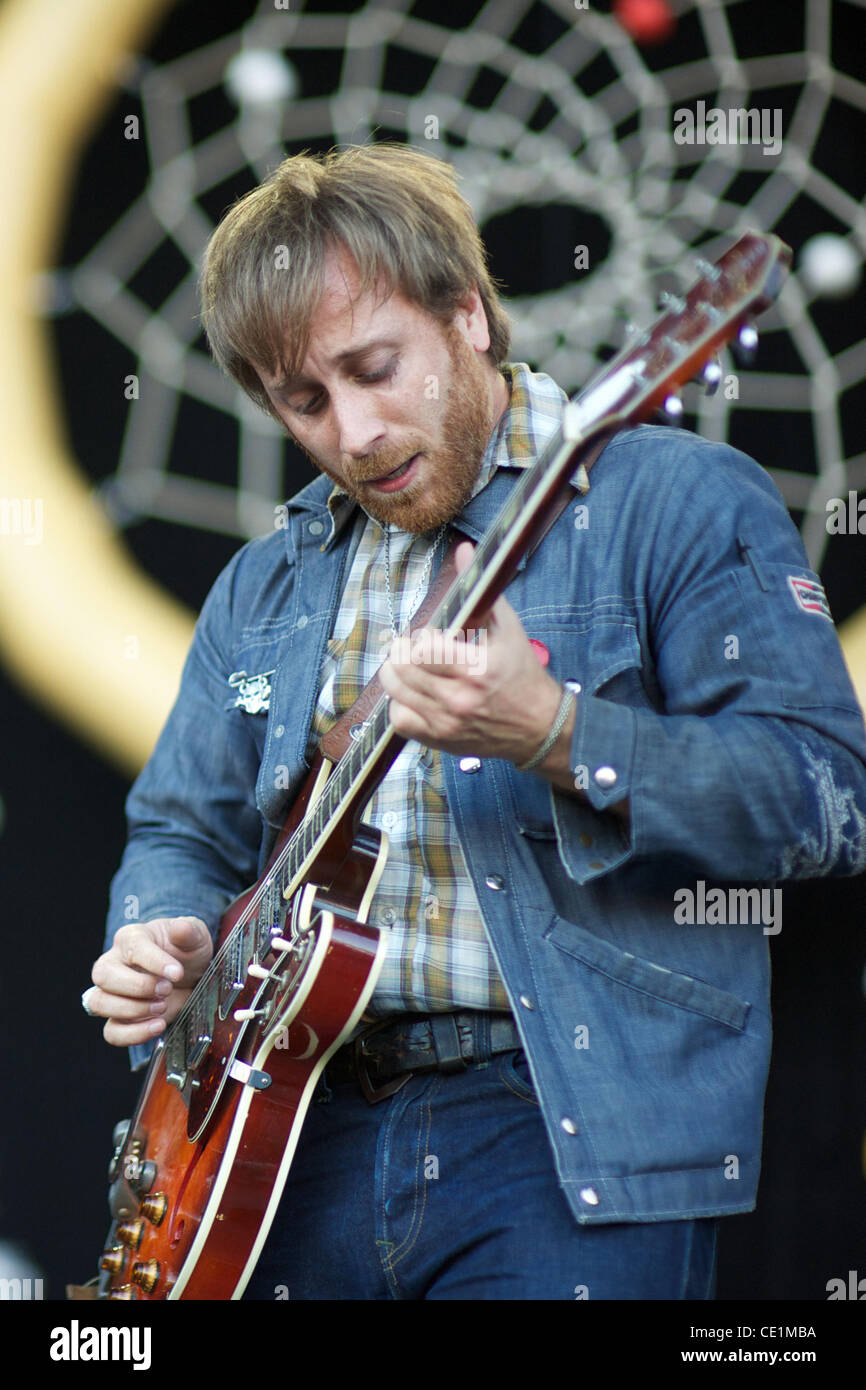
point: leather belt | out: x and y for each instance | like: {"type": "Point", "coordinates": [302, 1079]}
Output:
{"type": "Point", "coordinates": [386, 1055]}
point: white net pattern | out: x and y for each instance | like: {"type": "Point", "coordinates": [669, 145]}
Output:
{"type": "Point", "coordinates": [587, 121]}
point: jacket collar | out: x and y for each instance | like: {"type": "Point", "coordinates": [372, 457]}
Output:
{"type": "Point", "coordinates": [531, 418]}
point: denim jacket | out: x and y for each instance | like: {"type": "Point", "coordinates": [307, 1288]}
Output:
{"type": "Point", "coordinates": [714, 697]}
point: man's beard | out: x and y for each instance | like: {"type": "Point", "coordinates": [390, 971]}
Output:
{"type": "Point", "coordinates": [466, 429]}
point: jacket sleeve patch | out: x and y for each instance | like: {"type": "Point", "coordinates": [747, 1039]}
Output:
{"type": "Point", "coordinates": [809, 595]}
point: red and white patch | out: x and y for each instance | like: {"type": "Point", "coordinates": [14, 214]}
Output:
{"type": "Point", "coordinates": [809, 595]}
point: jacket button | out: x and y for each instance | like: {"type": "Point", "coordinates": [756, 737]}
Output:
{"type": "Point", "coordinates": [526, 1001]}
{"type": "Point", "coordinates": [568, 1125]}
{"type": "Point", "coordinates": [316, 528]}
{"type": "Point", "coordinates": [279, 730]}
{"type": "Point", "coordinates": [496, 882]}
{"type": "Point", "coordinates": [469, 764]}
{"type": "Point", "coordinates": [604, 777]}
{"type": "Point", "coordinates": [589, 1195]}
{"type": "Point", "coordinates": [302, 621]}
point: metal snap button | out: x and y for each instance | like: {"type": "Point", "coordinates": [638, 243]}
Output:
{"type": "Point", "coordinates": [605, 777]}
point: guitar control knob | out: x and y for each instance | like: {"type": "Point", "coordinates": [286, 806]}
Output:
{"type": "Point", "coordinates": [146, 1274]}
{"type": "Point", "coordinates": [125, 1291]}
{"type": "Point", "coordinates": [112, 1259]}
{"type": "Point", "coordinates": [145, 1178]}
{"type": "Point", "coordinates": [130, 1233]}
{"type": "Point", "coordinates": [154, 1208]}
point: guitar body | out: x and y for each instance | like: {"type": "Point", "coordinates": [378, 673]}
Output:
{"type": "Point", "coordinates": [198, 1174]}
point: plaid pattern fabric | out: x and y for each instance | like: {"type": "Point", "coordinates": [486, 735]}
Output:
{"type": "Point", "coordinates": [438, 956]}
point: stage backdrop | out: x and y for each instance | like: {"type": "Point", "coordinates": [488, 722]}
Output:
{"type": "Point", "coordinates": [598, 146]}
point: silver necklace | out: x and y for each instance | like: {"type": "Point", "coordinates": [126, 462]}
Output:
{"type": "Point", "coordinates": [422, 582]}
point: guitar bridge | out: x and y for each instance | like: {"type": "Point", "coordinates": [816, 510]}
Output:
{"type": "Point", "coordinates": [175, 1060]}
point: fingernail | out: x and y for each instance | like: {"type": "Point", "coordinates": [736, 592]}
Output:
{"type": "Point", "coordinates": [158, 1007]}
{"type": "Point", "coordinates": [156, 1025]}
{"type": "Point", "coordinates": [173, 971]}
{"type": "Point", "coordinates": [162, 987]}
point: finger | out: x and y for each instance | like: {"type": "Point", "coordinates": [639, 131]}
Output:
{"type": "Point", "coordinates": [423, 693]}
{"type": "Point", "coordinates": [463, 556]}
{"type": "Point", "coordinates": [494, 614]}
{"type": "Point", "coordinates": [431, 653]}
{"type": "Point", "coordinates": [128, 1034]}
{"type": "Point", "coordinates": [119, 1006]}
{"type": "Point", "coordinates": [112, 976]}
{"type": "Point", "coordinates": [190, 936]}
{"type": "Point", "coordinates": [136, 947]}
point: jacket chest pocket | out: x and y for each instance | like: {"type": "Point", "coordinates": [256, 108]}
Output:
{"type": "Point", "coordinates": [605, 660]}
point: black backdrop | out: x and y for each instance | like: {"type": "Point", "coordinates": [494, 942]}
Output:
{"type": "Point", "coordinates": [61, 1087]}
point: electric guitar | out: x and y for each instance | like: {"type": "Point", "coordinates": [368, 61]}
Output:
{"type": "Point", "coordinates": [198, 1171]}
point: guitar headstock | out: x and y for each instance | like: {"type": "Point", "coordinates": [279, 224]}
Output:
{"type": "Point", "coordinates": [649, 372]}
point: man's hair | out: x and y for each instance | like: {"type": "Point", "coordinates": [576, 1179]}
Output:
{"type": "Point", "coordinates": [397, 213]}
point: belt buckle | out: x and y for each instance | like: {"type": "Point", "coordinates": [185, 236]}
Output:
{"type": "Point", "coordinates": [373, 1094]}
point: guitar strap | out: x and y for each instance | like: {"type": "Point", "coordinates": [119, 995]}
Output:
{"type": "Point", "coordinates": [338, 738]}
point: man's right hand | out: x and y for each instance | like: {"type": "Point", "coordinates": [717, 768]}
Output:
{"type": "Point", "coordinates": [145, 979]}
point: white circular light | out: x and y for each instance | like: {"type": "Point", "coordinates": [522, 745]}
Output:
{"type": "Point", "coordinates": [258, 77]}
{"type": "Point", "coordinates": [830, 266]}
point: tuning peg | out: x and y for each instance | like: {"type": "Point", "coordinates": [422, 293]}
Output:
{"type": "Point", "coordinates": [672, 302]}
{"type": "Point", "coordinates": [672, 409]}
{"type": "Point", "coordinates": [747, 343]}
{"type": "Point", "coordinates": [258, 972]}
{"type": "Point", "coordinates": [707, 270]}
{"type": "Point", "coordinates": [711, 376]}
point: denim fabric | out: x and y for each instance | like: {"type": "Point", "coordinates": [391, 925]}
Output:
{"type": "Point", "coordinates": [447, 1191]}
{"type": "Point", "coordinates": [711, 698]}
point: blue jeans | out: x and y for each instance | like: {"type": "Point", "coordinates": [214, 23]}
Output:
{"type": "Point", "coordinates": [447, 1190]}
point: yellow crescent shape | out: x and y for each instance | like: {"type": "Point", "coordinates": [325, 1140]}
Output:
{"type": "Point", "coordinates": [81, 627]}
{"type": "Point", "coordinates": [852, 635]}
{"type": "Point", "coordinates": [311, 1045]}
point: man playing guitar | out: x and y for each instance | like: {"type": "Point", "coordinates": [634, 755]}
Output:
{"type": "Point", "coordinates": [559, 1083]}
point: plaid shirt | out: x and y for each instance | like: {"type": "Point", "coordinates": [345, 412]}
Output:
{"type": "Point", "coordinates": [438, 954]}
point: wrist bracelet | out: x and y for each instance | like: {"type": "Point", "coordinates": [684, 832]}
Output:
{"type": "Point", "coordinates": [568, 699]}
